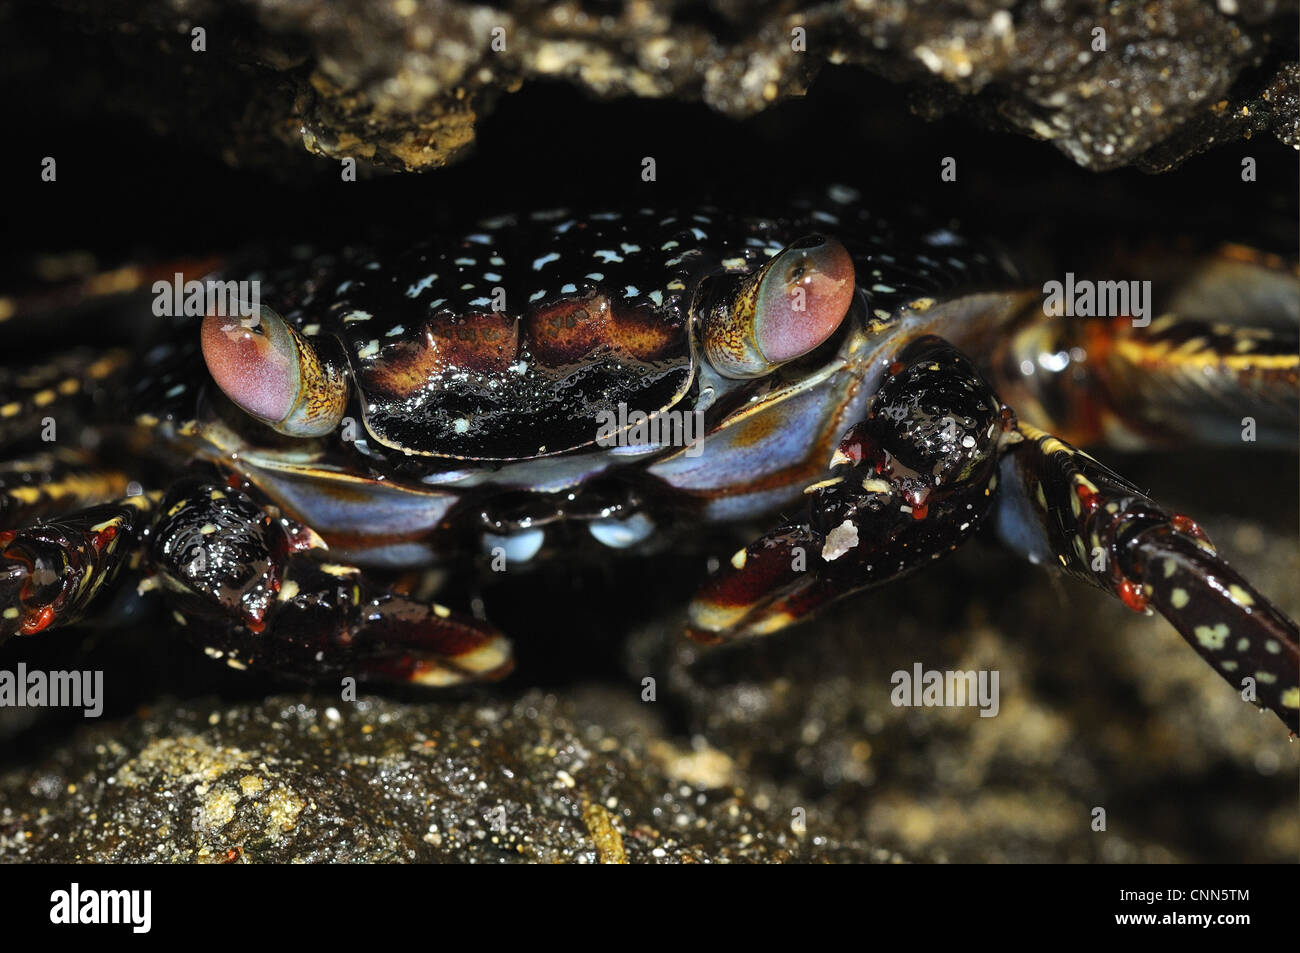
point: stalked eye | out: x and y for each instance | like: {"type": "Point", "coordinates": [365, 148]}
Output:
{"type": "Point", "coordinates": [784, 310]}
{"type": "Point", "coordinates": [274, 374]}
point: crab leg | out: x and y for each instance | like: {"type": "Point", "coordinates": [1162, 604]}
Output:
{"type": "Point", "coordinates": [241, 581]}
{"type": "Point", "coordinates": [908, 485]}
{"type": "Point", "coordinates": [1220, 364]}
{"type": "Point", "coordinates": [1057, 504]}
{"type": "Point", "coordinates": [54, 391]}
{"type": "Point", "coordinates": [50, 573]}
{"type": "Point", "coordinates": [53, 483]}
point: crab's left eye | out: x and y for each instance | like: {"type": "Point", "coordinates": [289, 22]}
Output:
{"type": "Point", "coordinates": [274, 374]}
{"type": "Point", "coordinates": [790, 306]}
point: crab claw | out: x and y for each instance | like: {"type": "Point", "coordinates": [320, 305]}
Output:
{"type": "Point", "coordinates": [246, 583]}
{"type": "Point", "coordinates": [50, 572]}
{"type": "Point", "coordinates": [273, 373]}
{"type": "Point", "coordinates": [762, 592]}
{"type": "Point", "coordinates": [908, 485]}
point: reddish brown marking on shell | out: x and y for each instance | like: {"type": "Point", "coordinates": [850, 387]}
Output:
{"type": "Point", "coordinates": [571, 331]}
{"type": "Point", "coordinates": [486, 343]}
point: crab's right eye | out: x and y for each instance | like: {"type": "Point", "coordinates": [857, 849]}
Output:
{"type": "Point", "coordinates": [274, 374]}
{"type": "Point", "coordinates": [787, 308]}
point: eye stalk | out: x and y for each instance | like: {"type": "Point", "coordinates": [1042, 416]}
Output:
{"type": "Point", "coordinates": [782, 311]}
{"type": "Point", "coordinates": [273, 373]}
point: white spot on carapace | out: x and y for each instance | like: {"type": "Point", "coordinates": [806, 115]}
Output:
{"type": "Point", "coordinates": [420, 286]}
{"type": "Point", "coordinates": [370, 350]}
{"type": "Point", "coordinates": [544, 260]}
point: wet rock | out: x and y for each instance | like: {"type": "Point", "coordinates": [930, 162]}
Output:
{"type": "Point", "coordinates": [307, 779]}
{"type": "Point", "coordinates": [780, 749]}
{"type": "Point", "coordinates": [403, 85]}
{"type": "Point", "coordinates": [1099, 707]}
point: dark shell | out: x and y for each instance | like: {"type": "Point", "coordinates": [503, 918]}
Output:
{"type": "Point", "coordinates": [513, 340]}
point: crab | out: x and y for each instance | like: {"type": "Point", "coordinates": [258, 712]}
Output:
{"type": "Point", "coordinates": [284, 479]}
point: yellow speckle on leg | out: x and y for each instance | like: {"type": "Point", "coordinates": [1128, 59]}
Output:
{"type": "Point", "coordinates": [1212, 637]}
{"type": "Point", "coordinates": [1240, 595]}
{"type": "Point", "coordinates": [1291, 698]}
{"type": "Point", "coordinates": [1179, 598]}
